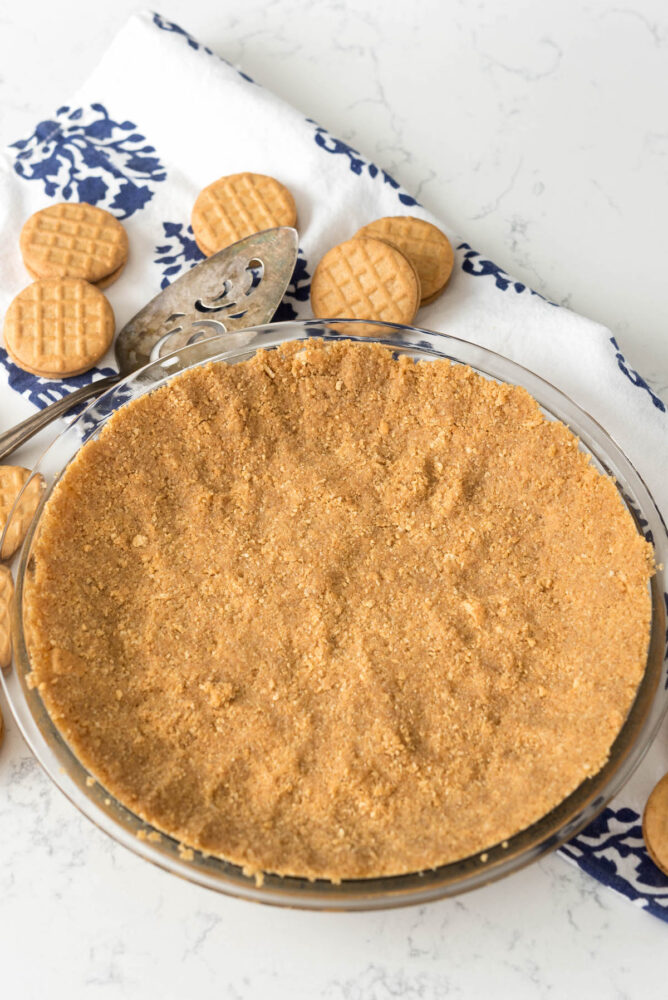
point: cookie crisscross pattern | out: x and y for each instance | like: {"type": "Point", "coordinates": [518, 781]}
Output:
{"type": "Point", "coordinates": [6, 594]}
{"type": "Point", "coordinates": [58, 326]}
{"type": "Point", "coordinates": [237, 206]}
{"type": "Point", "coordinates": [365, 279]}
{"type": "Point", "coordinates": [74, 240]}
{"type": "Point", "coordinates": [12, 480]}
{"type": "Point", "coordinates": [428, 249]}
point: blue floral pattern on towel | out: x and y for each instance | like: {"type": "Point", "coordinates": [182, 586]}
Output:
{"type": "Point", "coordinates": [297, 292]}
{"type": "Point", "coordinates": [356, 162]}
{"type": "Point", "coordinates": [40, 391]}
{"type": "Point", "coordinates": [478, 266]}
{"type": "Point", "coordinates": [636, 379]}
{"type": "Point", "coordinates": [178, 253]}
{"type": "Point", "coordinates": [642, 522]}
{"type": "Point", "coordinates": [165, 25]}
{"type": "Point", "coordinates": [83, 154]}
{"type": "Point", "coordinates": [612, 850]}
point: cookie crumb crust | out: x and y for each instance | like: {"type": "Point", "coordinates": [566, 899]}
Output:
{"type": "Point", "coordinates": [337, 615]}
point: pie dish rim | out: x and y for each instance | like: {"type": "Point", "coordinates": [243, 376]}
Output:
{"type": "Point", "coordinates": [575, 812]}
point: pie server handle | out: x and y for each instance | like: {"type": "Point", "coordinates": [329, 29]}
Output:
{"type": "Point", "coordinates": [18, 435]}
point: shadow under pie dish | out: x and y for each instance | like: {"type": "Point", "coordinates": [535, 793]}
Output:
{"type": "Point", "coordinates": [352, 618]}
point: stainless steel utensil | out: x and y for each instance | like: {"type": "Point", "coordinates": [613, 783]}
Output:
{"type": "Point", "coordinates": [239, 287]}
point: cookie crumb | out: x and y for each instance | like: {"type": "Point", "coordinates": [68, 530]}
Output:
{"type": "Point", "coordinates": [340, 643]}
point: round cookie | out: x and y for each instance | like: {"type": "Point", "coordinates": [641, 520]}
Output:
{"type": "Point", "coordinates": [58, 327]}
{"type": "Point", "coordinates": [74, 241]}
{"type": "Point", "coordinates": [655, 825]}
{"type": "Point", "coordinates": [110, 278]}
{"type": "Point", "coordinates": [6, 596]}
{"type": "Point", "coordinates": [365, 278]}
{"type": "Point", "coordinates": [428, 249]}
{"type": "Point", "coordinates": [237, 206]}
{"type": "Point", "coordinates": [12, 480]}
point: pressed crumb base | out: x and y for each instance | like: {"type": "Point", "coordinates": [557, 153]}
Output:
{"type": "Point", "coordinates": [331, 614]}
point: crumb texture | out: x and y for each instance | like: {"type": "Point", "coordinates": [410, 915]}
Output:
{"type": "Point", "coordinates": [332, 614]}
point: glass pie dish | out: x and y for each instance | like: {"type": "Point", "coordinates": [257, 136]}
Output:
{"type": "Point", "coordinates": [496, 861]}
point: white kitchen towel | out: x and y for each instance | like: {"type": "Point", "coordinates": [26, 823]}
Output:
{"type": "Point", "coordinates": [160, 118]}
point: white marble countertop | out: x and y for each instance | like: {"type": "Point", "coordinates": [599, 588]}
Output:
{"type": "Point", "coordinates": [539, 132]}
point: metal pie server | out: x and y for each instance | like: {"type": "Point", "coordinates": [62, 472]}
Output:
{"type": "Point", "coordinates": [239, 287]}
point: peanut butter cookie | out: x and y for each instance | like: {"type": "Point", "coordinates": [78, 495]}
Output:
{"type": "Point", "coordinates": [655, 825]}
{"type": "Point", "coordinates": [74, 240]}
{"type": "Point", "coordinates": [12, 480]}
{"type": "Point", "coordinates": [237, 206]}
{"type": "Point", "coordinates": [58, 327]}
{"type": "Point", "coordinates": [6, 597]}
{"type": "Point", "coordinates": [365, 278]}
{"type": "Point", "coordinates": [428, 249]}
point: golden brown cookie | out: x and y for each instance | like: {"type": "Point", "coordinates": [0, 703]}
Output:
{"type": "Point", "coordinates": [428, 249]}
{"type": "Point", "coordinates": [12, 479]}
{"type": "Point", "coordinates": [102, 283]}
{"type": "Point", "coordinates": [655, 824]}
{"type": "Point", "coordinates": [6, 596]}
{"type": "Point", "coordinates": [74, 241]}
{"type": "Point", "coordinates": [237, 206]}
{"type": "Point", "coordinates": [58, 327]}
{"type": "Point", "coordinates": [110, 278]}
{"type": "Point", "coordinates": [365, 278]}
